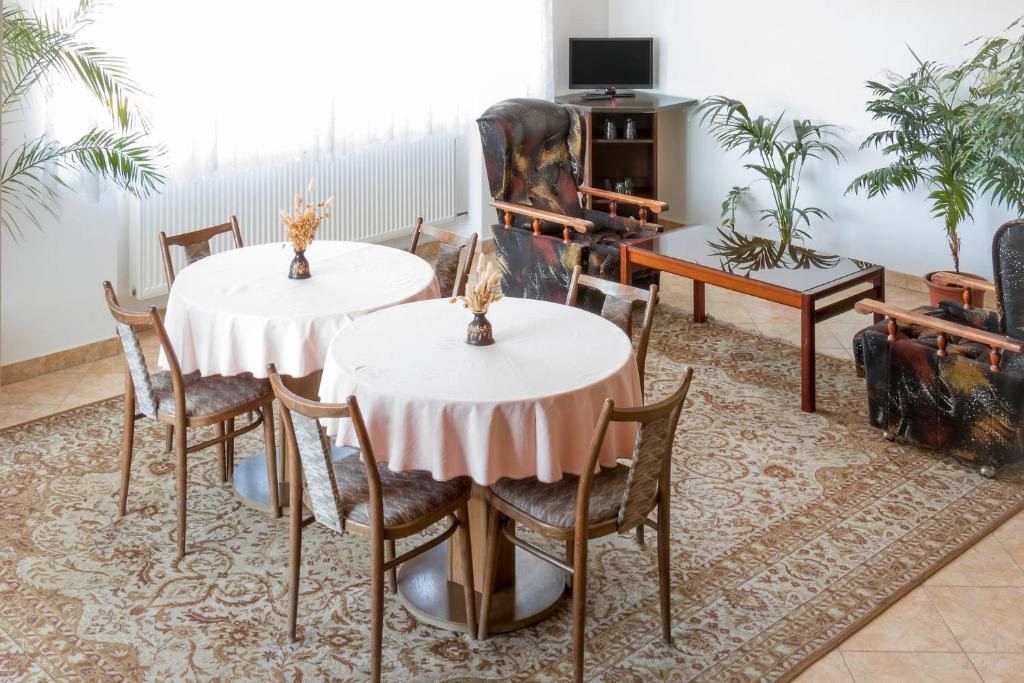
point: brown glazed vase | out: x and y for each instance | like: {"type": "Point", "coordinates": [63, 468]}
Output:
{"type": "Point", "coordinates": [479, 332]}
{"type": "Point", "coordinates": [940, 292]}
{"type": "Point", "coordinates": [299, 268]}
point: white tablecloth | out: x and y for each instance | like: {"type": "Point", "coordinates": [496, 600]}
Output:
{"type": "Point", "coordinates": [236, 311]}
{"type": "Point", "coordinates": [525, 406]}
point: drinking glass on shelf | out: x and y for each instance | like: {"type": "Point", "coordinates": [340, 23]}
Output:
{"type": "Point", "coordinates": [620, 187]}
{"type": "Point", "coordinates": [627, 185]}
{"type": "Point", "coordinates": [630, 129]}
{"type": "Point", "coordinates": [610, 132]}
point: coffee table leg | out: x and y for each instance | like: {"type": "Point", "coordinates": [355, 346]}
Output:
{"type": "Point", "coordinates": [807, 370]}
{"type": "Point", "coordinates": [698, 302]}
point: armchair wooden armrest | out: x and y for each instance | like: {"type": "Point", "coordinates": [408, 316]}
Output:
{"type": "Point", "coordinates": [538, 215]}
{"type": "Point", "coordinates": [965, 281]}
{"type": "Point", "coordinates": [996, 342]}
{"type": "Point", "coordinates": [653, 205]}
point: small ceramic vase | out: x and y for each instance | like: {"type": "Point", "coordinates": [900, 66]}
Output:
{"type": "Point", "coordinates": [299, 268]}
{"type": "Point", "coordinates": [479, 332]}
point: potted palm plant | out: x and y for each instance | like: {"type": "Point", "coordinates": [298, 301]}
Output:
{"type": "Point", "coordinates": [954, 130]}
{"type": "Point", "coordinates": [780, 161]}
{"type": "Point", "coordinates": [39, 50]}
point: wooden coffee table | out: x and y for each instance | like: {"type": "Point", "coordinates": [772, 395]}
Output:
{"type": "Point", "coordinates": [762, 267]}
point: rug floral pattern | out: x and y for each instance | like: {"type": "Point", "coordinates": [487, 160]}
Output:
{"type": "Point", "coordinates": [786, 529]}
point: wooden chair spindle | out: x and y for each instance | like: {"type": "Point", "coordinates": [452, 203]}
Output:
{"type": "Point", "coordinates": [536, 227]}
{"type": "Point", "coordinates": [993, 359]}
{"type": "Point", "coordinates": [612, 208]}
{"type": "Point", "coordinates": [508, 220]}
{"type": "Point", "coordinates": [643, 216]}
{"type": "Point", "coordinates": [565, 235]}
{"type": "Point", "coordinates": [967, 297]}
{"type": "Point", "coordinates": [941, 341]}
{"type": "Point", "coordinates": [892, 329]}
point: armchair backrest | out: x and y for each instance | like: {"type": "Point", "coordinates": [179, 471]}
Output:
{"type": "Point", "coordinates": [304, 437]}
{"type": "Point", "coordinates": [128, 325]}
{"type": "Point", "coordinates": [196, 244]}
{"type": "Point", "coordinates": [534, 154]}
{"type": "Point", "coordinates": [1008, 268]}
{"type": "Point", "coordinates": [649, 468]}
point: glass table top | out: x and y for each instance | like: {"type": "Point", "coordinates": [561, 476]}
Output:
{"type": "Point", "coordinates": [757, 258]}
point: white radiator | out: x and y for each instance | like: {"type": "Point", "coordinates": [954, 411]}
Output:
{"type": "Point", "coordinates": [378, 193]}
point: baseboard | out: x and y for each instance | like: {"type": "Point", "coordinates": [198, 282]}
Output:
{"type": "Point", "coordinates": [58, 360]}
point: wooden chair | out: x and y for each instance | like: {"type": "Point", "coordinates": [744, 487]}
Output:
{"type": "Point", "coordinates": [618, 308]}
{"type": "Point", "coordinates": [186, 402]}
{"type": "Point", "coordinates": [196, 244]}
{"type": "Point", "coordinates": [594, 504]}
{"type": "Point", "coordinates": [197, 247]}
{"type": "Point", "coordinates": [451, 269]}
{"type": "Point", "coordinates": [357, 494]}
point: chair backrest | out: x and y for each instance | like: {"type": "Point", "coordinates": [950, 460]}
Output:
{"type": "Point", "coordinates": [128, 324]}
{"type": "Point", "coordinates": [305, 437]}
{"type": "Point", "coordinates": [652, 456]}
{"type": "Point", "coordinates": [451, 269]}
{"type": "Point", "coordinates": [534, 153]}
{"type": "Point", "coordinates": [196, 244]}
{"type": "Point", "coordinates": [1008, 268]}
{"type": "Point", "coordinates": [619, 301]}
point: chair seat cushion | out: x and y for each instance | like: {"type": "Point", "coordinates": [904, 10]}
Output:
{"type": "Point", "coordinates": [208, 395]}
{"type": "Point", "coordinates": [408, 496]}
{"type": "Point", "coordinates": [555, 504]}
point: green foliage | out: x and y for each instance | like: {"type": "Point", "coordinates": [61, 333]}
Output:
{"type": "Point", "coordinates": [956, 130]}
{"type": "Point", "coordinates": [37, 50]}
{"type": "Point", "coordinates": [781, 161]}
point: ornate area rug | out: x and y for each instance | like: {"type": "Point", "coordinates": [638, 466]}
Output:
{"type": "Point", "coordinates": [788, 530]}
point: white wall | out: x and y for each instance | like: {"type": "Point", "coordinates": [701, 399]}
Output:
{"type": "Point", "coordinates": [811, 58]}
{"type": "Point", "coordinates": [573, 19]}
{"type": "Point", "coordinates": [50, 293]}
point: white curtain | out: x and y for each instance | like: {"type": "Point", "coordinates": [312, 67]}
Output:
{"type": "Point", "coordinates": [233, 83]}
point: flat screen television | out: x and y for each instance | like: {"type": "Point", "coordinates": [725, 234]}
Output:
{"type": "Point", "coordinates": [610, 63]}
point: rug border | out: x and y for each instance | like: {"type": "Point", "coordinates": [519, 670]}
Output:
{"type": "Point", "coordinates": [832, 643]}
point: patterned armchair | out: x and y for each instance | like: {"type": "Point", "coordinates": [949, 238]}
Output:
{"type": "Point", "coordinates": [952, 377]}
{"type": "Point", "coordinates": [534, 152]}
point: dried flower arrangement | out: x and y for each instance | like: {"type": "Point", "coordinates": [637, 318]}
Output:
{"type": "Point", "coordinates": [486, 291]}
{"type": "Point", "coordinates": [305, 218]}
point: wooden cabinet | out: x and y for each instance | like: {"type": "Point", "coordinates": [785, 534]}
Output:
{"type": "Point", "coordinates": [610, 161]}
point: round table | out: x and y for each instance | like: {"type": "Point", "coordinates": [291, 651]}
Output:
{"type": "Point", "coordinates": [525, 406]}
{"type": "Point", "coordinates": [236, 311]}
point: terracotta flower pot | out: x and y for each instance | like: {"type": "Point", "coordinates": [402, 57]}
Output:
{"type": "Point", "coordinates": [940, 292]}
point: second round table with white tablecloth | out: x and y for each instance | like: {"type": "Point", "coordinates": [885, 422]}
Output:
{"type": "Point", "coordinates": [525, 406]}
{"type": "Point", "coordinates": [236, 311]}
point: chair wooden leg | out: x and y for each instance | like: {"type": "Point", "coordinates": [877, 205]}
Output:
{"type": "Point", "coordinates": [127, 448]}
{"type": "Point", "coordinates": [376, 607]}
{"type": "Point", "coordinates": [469, 592]}
{"type": "Point", "coordinates": [229, 453]}
{"type": "Point", "coordinates": [271, 453]}
{"type": "Point", "coordinates": [294, 541]}
{"type": "Point", "coordinates": [389, 554]}
{"type": "Point", "coordinates": [640, 534]}
{"type": "Point", "coordinates": [490, 570]}
{"type": "Point", "coordinates": [568, 560]}
{"type": "Point", "coordinates": [181, 472]}
{"type": "Point", "coordinates": [222, 454]}
{"type": "Point", "coordinates": [664, 570]}
{"type": "Point", "coordinates": [169, 439]}
{"type": "Point", "coordinates": [579, 604]}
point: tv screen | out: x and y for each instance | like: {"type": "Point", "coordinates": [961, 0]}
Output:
{"type": "Point", "coordinates": [611, 62]}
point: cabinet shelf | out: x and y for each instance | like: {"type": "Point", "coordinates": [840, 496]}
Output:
{"type": "Point", "coordinates": [620, 141]}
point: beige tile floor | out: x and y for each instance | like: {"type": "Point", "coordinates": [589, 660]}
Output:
{"type": "Point", "coordinates": [964, 624]}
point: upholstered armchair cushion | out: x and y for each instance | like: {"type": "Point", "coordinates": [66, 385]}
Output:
{"type": "Point", "coordinates": [980, 318]}
{"type": "Point", "coordinates": [208, 395]}
{"type": "Point", "coordinates": [408, 496]}
{"type": "Point", "coordinates": [555, 504]}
